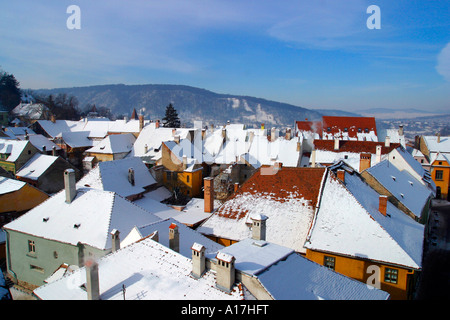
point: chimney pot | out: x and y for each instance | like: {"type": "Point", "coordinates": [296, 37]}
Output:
{"type": "Point", "coordinates": [131, 176]}
{"type": "Point", "coordinates": [383, 205]}
{"type": "Point", "coordinates": [69, 185]}
{"type": "Point", "coordinates": [115, 240]}
{"type": "Point", "coordinates": [174, 238]}
{"type": "Point", "coordinates": [198, 260]}
{"type": "Point", "coordinates": [92, 280]}
{"type": "Point", "coordinates": [336, 143]}
{"type": "Point", "coordinates": [225, 271]}
{"type": "Point", "coordinates": [209, 194]}
{"type": "Point", "coordinates": [259, 227]}
{"type": "Point", "coordinates": [341, 175]}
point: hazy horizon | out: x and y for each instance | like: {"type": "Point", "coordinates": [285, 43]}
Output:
{"type": "Point", "coordinates": [313, 54]}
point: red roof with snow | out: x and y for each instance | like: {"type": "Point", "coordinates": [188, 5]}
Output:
{"type": "Point", "coordinates": [352, 125]}
{"type": "Point", "coordinates": [355, 146]}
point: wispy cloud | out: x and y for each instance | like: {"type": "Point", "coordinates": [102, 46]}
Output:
{"type": "Point", "coordinates": [443, 63]}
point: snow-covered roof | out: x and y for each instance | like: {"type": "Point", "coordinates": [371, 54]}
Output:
{"type": "Point", "coordinates": [187, 236]}
{"type": "Point", "coordinates": [19, 131]}
{"type": "Point", "coordinates": [38, 140]}
{"type": "Point", "coordinates": [113, 176]}
{"type": "Point", "coordinates": [53, 129]}
{"type": "Point", "coordinates": [265, 152]}
{"type": "Point", "coordinates": [348, 222]}
{"type": "Point", "coordinates": [288, 198]}
{"type": "Point", "coordinates": [434, 146]}
{"type": "Point", "coordinates": [113, 144]}
{"type": "Point", "coordinates": [10, 185]}
{"type": "Point", "coordinates": [297, 278]}
{"type": "Point", "coordinates": [12, 147]}
{"type": "Point", "coordinates": [77, 139]}
{"type": "Point", "coordinates": [88, 219]}
{"type": "Point", "coordinates": [394, 136]}
{"type": "Point", "coordinates": [122, 126]}
{"type": "Point", "coordinates": [148, 270]}
{"type": "Point", "coordinates": [30, 110]}
{"type": "Point", "coordinates": [36, 166]}
{"type": "Point", "coordinates": [151, 138]}
{"type": "Point", "coordinates": [402, 185]}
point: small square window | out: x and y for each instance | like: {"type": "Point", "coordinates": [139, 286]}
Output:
{"type": "Point", "coordinates": [329, 262]}
{"type": "Point", "coordinates": [391, 275]}
{"type": "Point", "coordinates": [31, 246]}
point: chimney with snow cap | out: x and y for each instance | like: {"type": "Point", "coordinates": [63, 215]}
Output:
{"type": "Point", "coordinates": [69, 185]}
{"type": "Point", "coordinates": [174, 238]}
{"type": "Point", "coordinates": [378, 154]}
{"type": "Point", "coordinates": [225, 271]}
{"type": "Point", "coordinates": [198, 260]}
{"type": "Point", "coordinates": [259, 226]}
{"type": "Point", "coordinates": [115, 240]}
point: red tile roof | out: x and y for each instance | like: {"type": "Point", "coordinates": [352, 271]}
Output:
{"type": "Point", "coordinates": [353, 125]}
{"type": "Point", "coordinates": [285, 183]}
{"type": "Point", "coordinates": [313, 126]}
{"type": "Point", "coordinates": [354, 146]}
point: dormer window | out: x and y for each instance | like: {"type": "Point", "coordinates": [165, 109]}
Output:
{"type": "Point", "coordinates": [77, 225]}
{"type": "Point", "coordinates": [345, 129]}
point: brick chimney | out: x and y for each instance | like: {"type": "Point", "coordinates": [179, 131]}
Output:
{"type": "Point", "coordinates": [236, 186]}
{"type": "Point", "coordinates": [69, 185]}
{"type": "Point", "coordinates": [198, 260]}
{"type": "Point", "coordinates": [209, 194]}
{"type": "Point", "coordinates": [115, 240]}
{"type": "Point", "coordinates": [92, 280]}
{"type": "Point", "coordinates": [341, 175]}
{"type": "Point", "coordinates": [157, 123]}
{"type": "Point", "coordinates": [383, 205]}
{"type": "Point", "coordinates": [174, 132]}
{"type": "Point", "coordinates": [259, 227]}
{"type": "Point", "coordinates": [336, 143]}
{"type": "Point", "coordinates": [225, 271]}
{"type": "Point", "coordinates": [174, 238]}
{"type": "Point", "coordinates": [131, 176]}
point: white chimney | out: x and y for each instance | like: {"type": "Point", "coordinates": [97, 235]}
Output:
{"type": "Point", "coordinates": [92, 280]}
{"type": "Point", "coordinates": [259, 227]}
{"type": "Point", "coordinates": [313, 158]}
{"type": "Point", "coordinates": [174, 238]}
{"type": "Point", "coordinates": [115, 240]}
{"type": "Point", "coordinates": [400, 130]}
{"type": "Point", "coordinates": [387, 141]}
{"type": "Point", "coordinates": [225, 271]}
{"type": "Point", "coordinates": [336, 143]}
{"type": "Point", "coordinates": [69, 185]}
{"type": "Point", "coordinates": [198, 260]}
{"type": "Point", "coordinates": [378, 154]}
{"type": "Point", "coordinates": [273, 134]}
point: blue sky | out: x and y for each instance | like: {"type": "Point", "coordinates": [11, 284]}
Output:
{"type": "Point", "coordinates": [314, 54]}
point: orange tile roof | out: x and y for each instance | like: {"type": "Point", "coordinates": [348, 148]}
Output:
{"type": "Point", "coordinates": [313, 126]}
{"type": "Point", "coordinates": [286, 183]}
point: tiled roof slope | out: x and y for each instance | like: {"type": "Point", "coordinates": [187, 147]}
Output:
{"type": "Point", "coordinates": [287, 197]}
{"type": "Point", "coordinates": [338, 124]}
{"type": "Point", "coordinates": [355, 146]}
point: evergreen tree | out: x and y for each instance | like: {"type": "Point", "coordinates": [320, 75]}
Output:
{"type": "Point", "coordinates": [9, 91]}
{"type": "Point", "coordinates": [171, 119]}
